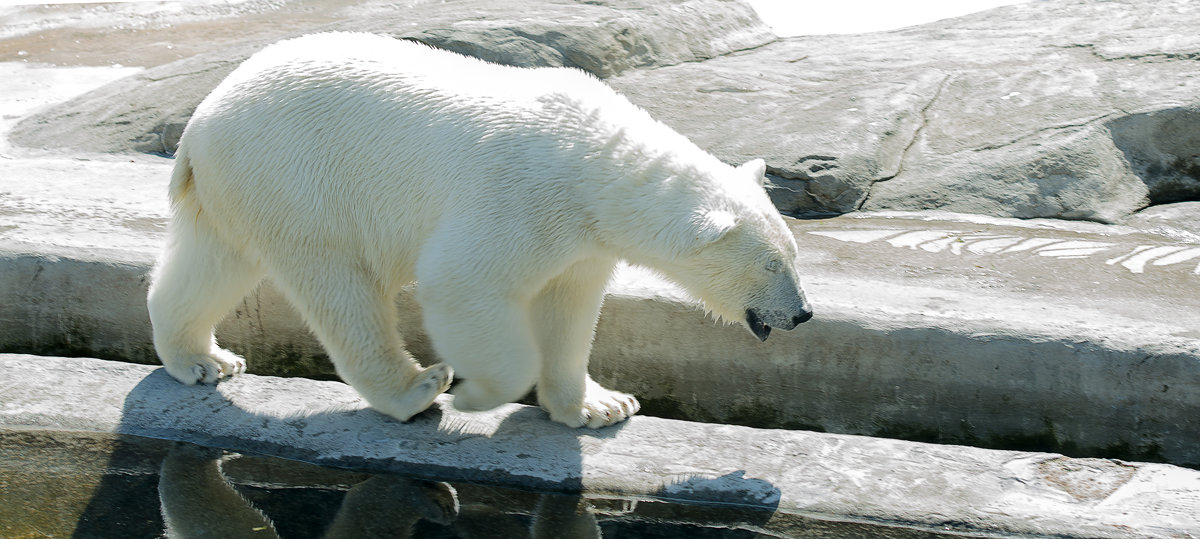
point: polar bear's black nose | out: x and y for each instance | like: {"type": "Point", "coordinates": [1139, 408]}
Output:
{"type": "Point", "coordinates": [801, 318]}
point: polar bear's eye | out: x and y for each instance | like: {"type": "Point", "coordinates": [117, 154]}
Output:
{"type": "Point", "coordinates": [774, 265]}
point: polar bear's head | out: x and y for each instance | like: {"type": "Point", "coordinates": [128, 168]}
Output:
{"type": "Point", "coordinates": [743, 262]}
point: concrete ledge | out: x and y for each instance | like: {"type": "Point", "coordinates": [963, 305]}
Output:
{"type": "Point", "coordinates": [793, 473]}
{"type": "Point", "coordinates": [918, 363]}
{"type": "Point", "coordinates": [1045, 336]}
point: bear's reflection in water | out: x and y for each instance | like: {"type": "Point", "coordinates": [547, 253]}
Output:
{"type": "Point", "coordinates": [204, 492]}
{"type": "Point", "coordinates": [64, 484]}
{"type": "Point", "coordinates": [199, 498]}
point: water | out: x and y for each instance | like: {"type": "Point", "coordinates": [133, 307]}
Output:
{"type": "Point", "coordinates": [57, 484]}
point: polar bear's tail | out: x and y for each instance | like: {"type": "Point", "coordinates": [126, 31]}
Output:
{"type": "Point", "coordinates": [181, 178]}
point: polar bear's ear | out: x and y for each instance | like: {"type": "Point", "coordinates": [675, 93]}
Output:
{"type": "Point", "coordinates": [755, 168]}
{"type": "Point", "coordinates": [712, 225]}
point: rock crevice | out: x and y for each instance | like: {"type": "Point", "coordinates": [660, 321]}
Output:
{"type": "Point", "coordinates": [923, 122]}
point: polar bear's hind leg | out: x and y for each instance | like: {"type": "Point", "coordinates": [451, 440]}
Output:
{"type": "Point", "coordinates": [356, 322]}
{"type": "Point", "coordinates": [198, 280]}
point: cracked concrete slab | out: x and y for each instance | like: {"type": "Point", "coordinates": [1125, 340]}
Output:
{"type": "Point", "coordinates": [793, 474]}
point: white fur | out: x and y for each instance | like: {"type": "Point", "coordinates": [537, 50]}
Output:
{"type": "Point", "coordinates": [345, 166]}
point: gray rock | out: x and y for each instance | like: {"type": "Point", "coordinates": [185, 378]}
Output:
{"type": "Point", "coordinates": [1163, 149]}
{"type": "Point", "coordinates": [144, 113]}
{"type": "Point", "coordinates": [1179, 221]}
{"type": "Point", "coordinates": [1065, 109]}
{"type": "Point", "coordinates": [147, 112]}
{"type": "Point", "coordinates": [1073, 173]}
{"type": "Point", "coordinates": [827, 132]}
{"type": "Point", "coordinates": [604, 38]}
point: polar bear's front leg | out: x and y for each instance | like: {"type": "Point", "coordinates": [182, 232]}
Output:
{"type": "Point", "coordinates": [566, 312]}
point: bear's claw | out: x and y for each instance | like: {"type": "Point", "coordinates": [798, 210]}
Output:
{"type": "Point", "coordinates": [205, 368]}
{"type": "Point", "coordinates": [601, 408]}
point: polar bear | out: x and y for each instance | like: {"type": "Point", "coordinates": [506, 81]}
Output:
{"type": "Point", "coordinates": [346, 166]}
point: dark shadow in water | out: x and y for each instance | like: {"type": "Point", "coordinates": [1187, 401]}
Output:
{"type": "Point", "coordinates": [199, 491]}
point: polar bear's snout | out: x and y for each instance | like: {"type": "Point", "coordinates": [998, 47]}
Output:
{"type": "Point", "coordinates": [761, 320]}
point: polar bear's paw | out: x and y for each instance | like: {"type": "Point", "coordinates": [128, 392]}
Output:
{"type": "Point", "coordinates": [204, 368]}
{"type": "Point", "coordinates": [601, 407]}
{"type": "Point", "coordinates": [434, 381]}
{"type": "Point", "coordinates": [430, 383]}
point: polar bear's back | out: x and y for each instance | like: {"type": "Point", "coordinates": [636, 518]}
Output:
{"type": "Point", "coordinates": [382, 135]}
{"type": "Point", "coordinates": [401, 62]}
{"type": "Point", "coordinates": [324, 81]}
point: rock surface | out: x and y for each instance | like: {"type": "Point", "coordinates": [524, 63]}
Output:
{"type": "Point", "coordinates": [1067, 109]}
{"type": "Point", "coordinates": [147, 112]}
{"type": "Point", "coordinates": [1180, 221]}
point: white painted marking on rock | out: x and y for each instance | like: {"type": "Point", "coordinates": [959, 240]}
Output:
{"type": "Point", "coordinates": [939, 245]}
{"type": "Point", "coordinates": [1135, 251]}
{"type": "Point", "coordinates": [914, 239]}
{"type": "Point", "coordinates": [981, 243]}
{"type": "Point", "coordinates": [993, 245]}
{"type": "Point", "coordinates": [1074, 252]}
{"type": "Point", "coordinates": [1181, 256]}
{"type": "Point", "coordinates": [1075, 245]}
{"type": "Point", "coordinates": [857, 236]}
{"type": "Point", "coordinates": [1137, 263]}
{"type": "Point", "coordinates": [1031, 243]}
